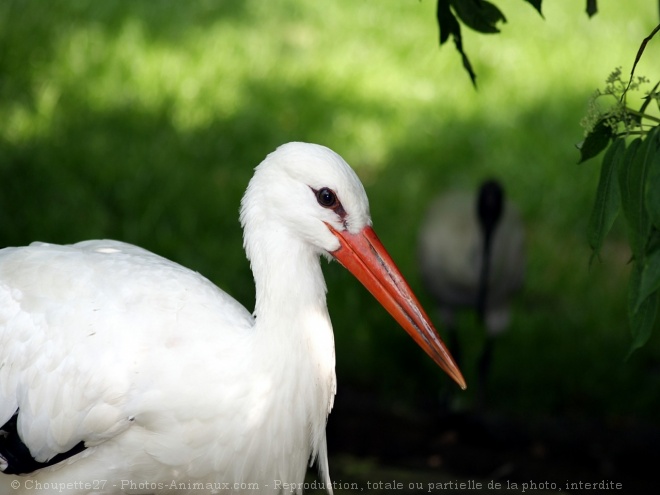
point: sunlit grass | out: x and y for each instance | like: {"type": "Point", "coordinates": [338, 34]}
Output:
{"type": "Point", "coordinates": [142, 120]}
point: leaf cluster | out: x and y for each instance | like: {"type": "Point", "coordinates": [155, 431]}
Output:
{"type": "Point", "coordinates": [481, 16]}
{"type": "Point", "coordinates": [629, 184]}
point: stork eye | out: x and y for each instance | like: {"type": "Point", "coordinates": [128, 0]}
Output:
{"type": "Point", "coordinates": [326, 198]}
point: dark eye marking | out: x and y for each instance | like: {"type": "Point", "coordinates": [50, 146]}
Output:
{"type": "Point", "coordinates": [327, 198]}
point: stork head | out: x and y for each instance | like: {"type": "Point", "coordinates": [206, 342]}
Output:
{"type": "Point", "coordinates": [307, 191]}
{"type": "Point", "coordinates": [490, 203]}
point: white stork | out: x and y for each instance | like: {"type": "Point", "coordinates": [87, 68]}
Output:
{"type": "Point", "coordinates": [471, 253]}
{"type": "Point", "coordinates": [123, 372]}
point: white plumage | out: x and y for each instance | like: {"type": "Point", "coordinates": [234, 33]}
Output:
{"type": "Point", "coordinates": [169, 383]}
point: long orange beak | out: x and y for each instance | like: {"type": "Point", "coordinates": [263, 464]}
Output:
{"type": "Point", "coordinates": [365, 257]}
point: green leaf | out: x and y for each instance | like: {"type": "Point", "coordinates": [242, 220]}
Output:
{"type": "Point", "coordinates": [632, 183]}
{"type": "Point", "coordinates": [641, 318]}
{"type": "Point", "coordinates": [449, 26]}
{"type": "Point", "coordinates": [596, 141]}
{"type": "Point", "coordinates": [480, 15]}
{"type": "Point", "coordinates": [648, 99]}
{"type": "Point", "coordinates": [650, 278]}
{"type": "Point", "coordinates": [608, 199]}
{"type": "Point", "coordinates": [447, 23]}
{"type": "Point", "coordinates": [537, 5]}
{"type": "Point", "coordinates": [653, 179]}
{"type": "Point", "coordinates": [592, 8]}
{"type": "Point", "coordinates": [640, 51]}
{"type": "Point", "coordinates": [466, 62]}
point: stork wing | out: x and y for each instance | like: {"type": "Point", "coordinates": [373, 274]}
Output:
{"type": "Point", "coordinates": [77, 326]}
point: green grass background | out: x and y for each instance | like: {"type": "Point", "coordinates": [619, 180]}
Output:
{"type": "Point", "coordinates": [142, 121]}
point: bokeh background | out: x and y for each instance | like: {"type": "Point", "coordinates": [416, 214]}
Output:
{"type": "Point", "coordinates": [142, 121]}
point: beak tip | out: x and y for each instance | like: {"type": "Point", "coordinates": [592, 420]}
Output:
{"type": "Point", "coordinates": [366, 258]}
{"type": "Point", "coordinates": [457, 376]}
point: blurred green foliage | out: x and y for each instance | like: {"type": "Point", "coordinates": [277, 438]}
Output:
{"type": "Point", "coordinates": [142, 121]}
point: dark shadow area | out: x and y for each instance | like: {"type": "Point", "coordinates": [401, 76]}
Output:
{"type": "Point", "coordinates": [435, 446]}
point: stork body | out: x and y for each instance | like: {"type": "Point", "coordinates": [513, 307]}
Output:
{"type": "Point", "coordinates": [123, 372]}
{"type": "Point", "coordinates": [452, 253]}
{"type": "Point", "coordinates": [472, 256]}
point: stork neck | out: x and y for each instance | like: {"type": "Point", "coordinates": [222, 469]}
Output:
{"type": "Point", "coordinates": [291, 315]}
{"type": "Point", "coordinates": [484, 276]}
{"type": "Point", "coordinates": [289, 283]}
{"type": "Point", "coordinates": [294, 332]}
